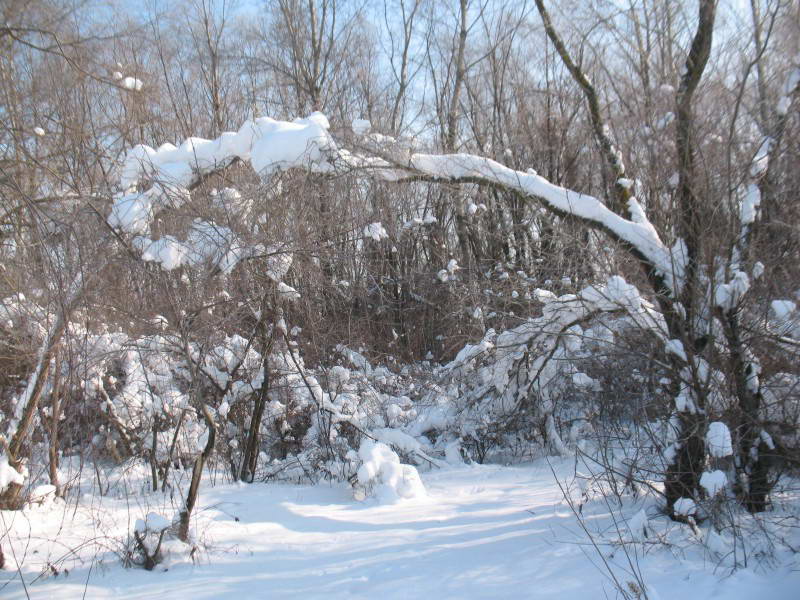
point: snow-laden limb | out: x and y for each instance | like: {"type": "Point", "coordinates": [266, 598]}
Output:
{"type": "Point", "coordinates": [271, 145]}
{"type": "Point", "coordinates": [639, 234]}
{"type": "Point", "coordinates": [529, 368]}
{"type": "Point", "coordinates": [268, 145]}
{"type": "Point", "coordinates": [790, 87]}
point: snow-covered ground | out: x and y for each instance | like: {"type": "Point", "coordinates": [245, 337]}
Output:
{"type": "Point", "coordinates": [480, 532]}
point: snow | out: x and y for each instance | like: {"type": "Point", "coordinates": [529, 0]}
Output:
{"type": "Point", "coordinates": [481, 531]}
{"type": "Point", "coordinates": [452, 454]}
{"type": "Point", "coordinates": [642, 235]}
{"type": "Point", "coordinates": [685, 507]}
{"type": "Point", "coordinates": [8, 474]}
{"type": "Point", "coordinates": [452, 266]}
{"type": "Point", "coordinates": [390, 480]}
{"type": "Point", "coordinates": [750, 204]}
{"type": "Point", "coordinates": [167, 251]}
{"type": "Point", "coordinates": [637, 525]}
{"type": "Point", "coordinates": [375, 231]}
{"type": "Point", "coordinates": [131, 83]}
{"type": "Point", "coordinates": [156, 522]}
{"type": "Point", "coordinates": [278, 263]}
{"type": "Point", "coordinates": [356, 359]}
{"type": "Point", "coordinates": [791, 84]}
{"type": "Point", "coordinates": [718, 440]}
{"type": "Point", "coordinates": [339, 375]}
{"type": "Point", "coordinates": [728, 295]}
{"type": "Point", "coordinates": [153, 522]}
{"type": "Point", "coordinates": [272, 145]}
{"type": "Point", "coordinates": [767, 440]}
{"type": "Point", "coordinates": [760, 161]}
{"type": "Point", "coordinates": [283, 145]}
{"type": "Point", "coordinates": [288, 292]}
{"type": "Point", "coordinates": [676, 347]}
{"type": "Point", "coordinates": [664, 121]}
{"type": "Point", "coordinates": [132, 213]}
{"type": "Point", "coordinates": [472, 351]}
{"type": "Point", "coordinates": [268, 144]}
{"type": "Point", "coordinates": [782, 309]}
{"type": "Point", "coordinates": [713, 482]}
{"type": "Point", "coordinates": [206, 242]}
{"type": "Point", "coordinates": [582, 380]}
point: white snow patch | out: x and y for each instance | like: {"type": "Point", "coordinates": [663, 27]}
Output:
{"type": "Point", "coordinates": [131, 83]}
{"type": "Point", "coordinates": [375, 231]}
{"type": "Point", "coordinates": [8, 474]}
{"type": "Point", "coordinates": [676, 347]}
{"type": "Point", "coordinates": [782, 309]}
{"type": "Point", "coordinates": [381, 470]}
{"type": "Point", "coordinates": [685, 507]}
{"type": "Point", "coordinates": [288, 292]}
{"type": "Point", "coordinates": [718, 440]}
{"type": "Point", "coordinates": [713, 482]}
{"type": "Point", "coordinates": [637, 525]}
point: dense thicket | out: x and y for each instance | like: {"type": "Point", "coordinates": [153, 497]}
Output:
{"type": "Point", "coordinates": [437, 306]}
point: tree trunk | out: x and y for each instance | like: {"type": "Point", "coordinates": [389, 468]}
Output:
{"type": "Point", "coordinates": [197, 473]}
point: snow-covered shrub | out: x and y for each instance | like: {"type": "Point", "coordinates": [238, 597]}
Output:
{"type": "Point", "coordinates": [381, 474]}
{"type": "Point", "coordinates": [154, 544]}
{"type": "Point", "coordinates": [529, 385]}
{"type": "Point", "coordinates": [357, 401]}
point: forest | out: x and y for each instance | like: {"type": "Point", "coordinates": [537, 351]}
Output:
{"type": "Point", "coordinates": [278, 276]}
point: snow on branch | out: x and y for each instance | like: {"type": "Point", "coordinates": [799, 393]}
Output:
{"type": "Point", "coordinates": [639, 235]}
{"type": "Point", "coordinates": [271, 145]}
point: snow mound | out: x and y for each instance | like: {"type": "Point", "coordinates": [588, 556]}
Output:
{"type": "Point", "coordinates": [153, 522]}
{"type": "Point", "coordinates": [8, 474]}
{"type": "Point", "coordinates": [381, 471]}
